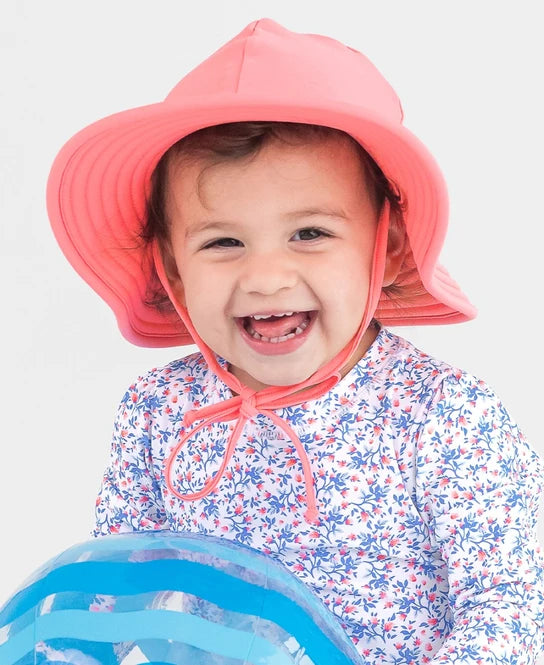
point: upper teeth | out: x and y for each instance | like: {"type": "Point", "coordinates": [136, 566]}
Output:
{"type": "Point", "coordinates": [267, 316]}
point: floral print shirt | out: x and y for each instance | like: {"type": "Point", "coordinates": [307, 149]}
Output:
{"type": "Point", "coordinates": [427, 493]}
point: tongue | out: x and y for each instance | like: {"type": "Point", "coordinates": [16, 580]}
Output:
{"type": "Point", "coordinates": [276, 327]}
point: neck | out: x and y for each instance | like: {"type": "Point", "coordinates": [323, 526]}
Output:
{"type": "Point", "coordinates": [366, 341]}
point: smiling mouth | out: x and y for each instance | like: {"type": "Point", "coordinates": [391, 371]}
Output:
{"type": "Point", "coordinates": [276, 329]}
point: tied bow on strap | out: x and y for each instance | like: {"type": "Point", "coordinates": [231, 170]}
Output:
{"type": "Point", "coordinates": [242, 408]}
{"type": "Point", "coordinates": [248, 403]}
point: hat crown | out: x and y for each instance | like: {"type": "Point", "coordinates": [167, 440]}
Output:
{"type": "Point", "coordinates": [266, 57]}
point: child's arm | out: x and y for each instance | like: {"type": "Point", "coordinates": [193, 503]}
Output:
{"type": "Point", "coordinates": [130, 499]}
{"type": "Point", "coordinates": [479, 483]}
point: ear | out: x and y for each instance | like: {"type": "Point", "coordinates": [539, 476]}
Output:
{"type": "Point", "coordinates": [397, 246]}
{"type": "Point", "coordinates": [172, 273]}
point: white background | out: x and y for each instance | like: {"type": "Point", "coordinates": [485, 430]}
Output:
{"type": "Point", "coordinates": [469, 75]}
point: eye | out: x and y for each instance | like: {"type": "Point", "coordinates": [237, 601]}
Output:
{"type": "Point", "coordinates": [311, 233]}
{"type": "Point", "coordinates": [307, 234]}
{"type": "Point", "coordinates": [222, 243]}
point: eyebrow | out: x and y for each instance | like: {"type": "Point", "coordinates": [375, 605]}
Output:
{"type": "Point", "coordinates": [218, 225]}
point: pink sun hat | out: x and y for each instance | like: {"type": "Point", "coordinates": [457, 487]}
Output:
{"type": "Point", "coordinates": [98, 184]}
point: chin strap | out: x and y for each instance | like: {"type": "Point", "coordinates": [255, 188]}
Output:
{"type": "Point", "coordinates": [248, 403]}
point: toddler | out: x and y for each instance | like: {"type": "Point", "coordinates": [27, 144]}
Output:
{"type": "Point", "coordinates": [274, 211]}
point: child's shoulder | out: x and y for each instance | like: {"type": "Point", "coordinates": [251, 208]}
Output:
{"type": "Point", "coordinates": [462, 419]}
{"type": "Point", "coordinates": [444, 391]}
{"type": "Point", "coordinates": [182, 376]}
{"type": "Point", "coordinates": [400, 359]}
{"type": "Point", "coordinates": [409, 364]}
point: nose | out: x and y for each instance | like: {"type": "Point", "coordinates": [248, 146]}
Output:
{"type": "Point", "coordinates": [267, 273]}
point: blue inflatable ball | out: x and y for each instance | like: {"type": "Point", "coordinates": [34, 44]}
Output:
{"type": "Point", "coordinates": [166, 598]}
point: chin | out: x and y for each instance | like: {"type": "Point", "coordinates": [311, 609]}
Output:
{"type": "Point", "coordinates": [284, 379]}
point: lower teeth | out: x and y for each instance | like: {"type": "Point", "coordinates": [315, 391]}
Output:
{"type": "Point", "coordinates": [283, 338]}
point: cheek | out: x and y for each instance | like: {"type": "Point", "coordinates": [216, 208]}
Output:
{"type": "Point", "coordinates": [351, 268]}
{"type": "Point", "coordinates": [204, 293]}
{"type": "Point", "coordinates": [345, 284]}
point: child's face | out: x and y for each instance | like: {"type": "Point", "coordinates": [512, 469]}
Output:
{"type": "Point", "coordinates": [261, 241]}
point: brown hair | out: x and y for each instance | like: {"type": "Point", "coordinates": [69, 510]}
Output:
{"type": "Point", "coordinates": [236, 140]}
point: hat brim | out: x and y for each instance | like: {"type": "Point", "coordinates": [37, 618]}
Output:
{"type": "Point", "coordinates": [97, 189]}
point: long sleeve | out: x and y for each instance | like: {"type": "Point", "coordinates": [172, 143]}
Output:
{"type": "Point", "coordinates": [479, 484]}
{"type": "Point", "coordinates": [129, 498]}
